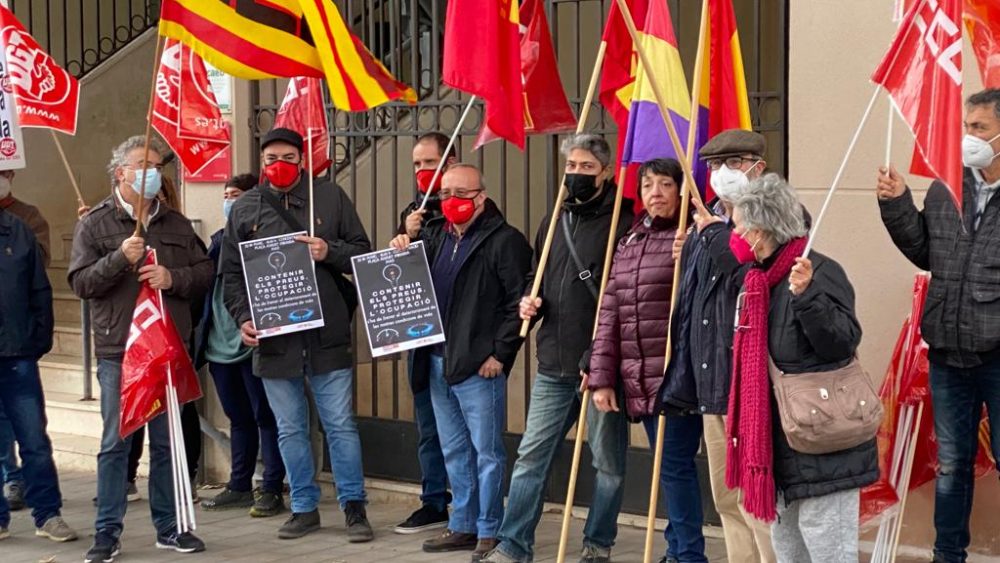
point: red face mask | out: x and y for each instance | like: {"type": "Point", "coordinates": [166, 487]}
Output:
{"type": "Point", "coordinates": [458, 211]}
{"type": "Point", "coordinates": [424, 180]}
{"type": "Point", "coordinates": [281, 174]}
{"type": "Point", "coordinates": [741, 248]}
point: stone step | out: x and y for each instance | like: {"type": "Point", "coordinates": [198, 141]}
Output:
{"type": "Point", "coordinates": [67, 340]}
{"type": "Point", "coordinates": [73, 452]}
{"type": "Point", "coordinates": [67, 414]}
{"type": "Point", "coordinates": [57, 274]}
{"type": "Point", "coordinates": [66, 307]}
{"type": "Point", "coordinates": [64, 374]}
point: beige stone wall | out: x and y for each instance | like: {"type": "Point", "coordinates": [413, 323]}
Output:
{"type": "Point", "coordinates": [834, 46]}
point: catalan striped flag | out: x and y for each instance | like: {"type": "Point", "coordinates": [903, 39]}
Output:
{"type": "Point", "coordinates": [284, 38]}
{"type": "Point", "coordinates": [723, 102]}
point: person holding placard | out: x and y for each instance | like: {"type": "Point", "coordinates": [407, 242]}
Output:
{"type": "Point", "coordinates": [280, 205]}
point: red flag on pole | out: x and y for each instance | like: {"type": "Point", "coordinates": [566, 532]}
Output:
{"type": "Point", "coordinates": [922, 72]}
{"type": "Point", "coordinates": [302, 111]}
{"type": "Point", "coordinates": [546, 109]}
{"type": "Point", "coordinates": [152, 347]}
{"type": "Point", "coordinates": [185, 112]}
{"type": "Point", "coordinates": [982, 20]}
{"type": "Point", "coordinates": [47, 96]}
{"type": "Point", "coordinates": [482, 57]}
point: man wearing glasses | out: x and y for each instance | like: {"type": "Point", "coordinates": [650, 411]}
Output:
{"type": "Point", "coordinates": [698, 376]}
{"type": "Point", "coordinates": [102, 269]}
{"type": "Point", "coordinates": [478, 265]}
{"type": "Point", "coordinates": [277, 206]}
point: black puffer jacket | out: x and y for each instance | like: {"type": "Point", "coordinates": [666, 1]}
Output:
{"type": "Point", "coordinates": [816, 331]}
{"type": "Point", "coordinates": [568, 307]}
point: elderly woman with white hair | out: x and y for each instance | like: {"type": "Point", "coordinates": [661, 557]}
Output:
{"type": "Point", "coordinates": [797, 312]}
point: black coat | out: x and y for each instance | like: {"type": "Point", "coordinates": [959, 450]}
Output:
{"type": "Point", "coordinates": [961, 321]}
{"type": "Point", "coordinates": [320, 350]}
{"type": "Point", "coordinates": [482, 318]}
{"type": "Point", "coordinates": [26, 318]}
{"type": "Point", "coordinates": [432, 217]}
{"type": "Point", "coordinates": [816, 331]}
{"type": "Point", "coordinates": [700, 371]}
{"type": "Point", "coordinates": [568, 307]}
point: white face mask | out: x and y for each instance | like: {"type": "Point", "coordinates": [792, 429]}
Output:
{"type": "Point", "coordinates": [727, 182]}
{"type": "Point", "coordinates": [976, 152]}
{"type": "Point", "coordinates": [4, 186]}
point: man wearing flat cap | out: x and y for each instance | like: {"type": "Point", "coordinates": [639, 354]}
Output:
{"type": "Point", "coordinates": [698, 376]}
{"type": "Point", "coordinates": [280, 205]}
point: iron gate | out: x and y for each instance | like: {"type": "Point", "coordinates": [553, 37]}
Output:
{"type": "Point", "coordinates": [371, 161]}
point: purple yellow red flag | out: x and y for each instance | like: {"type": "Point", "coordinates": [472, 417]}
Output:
{"type": "Point", "coordinates": [482, 56]}
{"type": "Point", "coordinates": [621, 62]}
{"type": "Point", "coordinates": [284, 38]}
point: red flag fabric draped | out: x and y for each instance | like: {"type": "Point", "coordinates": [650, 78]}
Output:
{"type": "Point", "coordinates": [982, 20]}
{"type": "Point", "coordinates": [302, 111]}
{"type": "Point", "coordinates": [546, 109]}
{"type": "Point", "coordinates": [47, 95]}
{"type": "Point", "coordinates": [185, 112]}
{"type": "Point", "coordinates": [153, 347]}
{"type": "Point", "coordinates": [922, 72]}
{"type": "Point", "coordinates": [482, 57]}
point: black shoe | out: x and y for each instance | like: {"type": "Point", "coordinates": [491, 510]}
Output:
{"type": "Point", "coordinates": [424, 518]}
{"type": "Point", "coordinates": [181, 543]}
{"type": "Point", "coordinates": [451, 541]}
{"type": "Point", "coordinates": [104, 550]}
{"type": "Point", "coordinates": [229, 498]}
{"type": "Point", "coordinates": [358, 528]}
{"type": "Point", "coordinates": [299, 524]}
{"type": "Point", "coordinates": [14, 492]}
{"type": "Point", "coordinates": [266, 504]}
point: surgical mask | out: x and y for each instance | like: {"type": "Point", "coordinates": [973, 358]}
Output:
{"type": "Point", "coordinates": [742, 249]}
{"type": "Point", "coordinates": [4, 187]}
{"type": "Point", "coordinates": [227, 206]}
{"type": "Point", "coordinates": [728, 182]}
{"type": "Point", "coordinates": [152, 182]}
{"type": "Point", "coordinates": [976, 152]}
{"type": "Point", "coordinates": [581, 187]}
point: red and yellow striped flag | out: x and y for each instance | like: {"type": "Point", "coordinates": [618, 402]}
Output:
{"type": "Point", "coordinates": [284, 38]}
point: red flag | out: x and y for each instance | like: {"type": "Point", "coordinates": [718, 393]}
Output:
{"type": "Point", "coordinates": [185, 112]}
{"type": "Point", "coordinates": [546, 109]}
{"type": "Point", "coordinates": [302, 111]}
{"type": "Point", "coordinates": [153, 348]}
{"type": "Point", "coordinates": [982, 20]}
{"type": "Point", "coordinates": [922, 72]}
{"type": "Point", "coordinates": [482, 57]}
{"type": "Point", "coordinates": [47, 96]}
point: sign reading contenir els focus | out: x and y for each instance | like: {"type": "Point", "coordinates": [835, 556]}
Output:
{"type": "Point", "coordinates": [281, 283]}
{"type": "Point", "coordinates": [397, 299]}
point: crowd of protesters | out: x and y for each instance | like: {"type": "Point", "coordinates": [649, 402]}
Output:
{"type": "Point", "coordinates": [707, 359]}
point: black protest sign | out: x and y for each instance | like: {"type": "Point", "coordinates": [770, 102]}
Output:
{"type": "Point", "coordinates": [281, 284]}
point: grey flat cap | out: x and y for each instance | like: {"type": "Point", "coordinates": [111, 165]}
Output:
{"type": "Point", "coordinates": [733, 142]}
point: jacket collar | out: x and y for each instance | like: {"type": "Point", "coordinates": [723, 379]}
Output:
{"type": "Point", "coordinates": [598, 206]}
{"type": "Point", "coordinates": [297, 196]}
{"type": "Point", "coordinates": [645, 223]}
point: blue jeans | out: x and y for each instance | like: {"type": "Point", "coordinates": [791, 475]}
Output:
{"type": "Point", "coordinates": [22, 399]}
{"type": "Point", "coordinates": [434, 475]}
{"type": "Point", "coordinates": [252, 426]}
{"type": "Point", "coordinates": [470, 421]}
{"type": "Point", "coordinates": [679, 483]}
{"type": "Point", "coordinates": [333, 393]}
{"type": "Point", "coordinates": [8, 457]}
{"type": "Point", "coordinates": [112, 461]}
{"type": "Point", "coordinates": [554, 408]}
{"type": "Point", "coordinates": [958, 396]}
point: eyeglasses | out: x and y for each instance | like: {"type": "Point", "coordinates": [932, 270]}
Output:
{"type": "Point", "coordinates": [732, 162]}
{"type": "Point", "coordinates": [460, 193]}
{"type": "Point", "coordinates": [292, 158]}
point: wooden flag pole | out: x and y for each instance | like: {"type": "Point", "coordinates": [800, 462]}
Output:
{"type": "Point", "coordinates": [581, 423]}
{"type": "Point", "coordinates": [581, 124]}
{"type": "Point", "coordinates": [149, 131]}
{"type": "Point", "coordinates": [69, 171]}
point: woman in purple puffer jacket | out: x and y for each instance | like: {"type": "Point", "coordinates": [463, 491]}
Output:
{"type": "Point", "coordinates": [628, 352]}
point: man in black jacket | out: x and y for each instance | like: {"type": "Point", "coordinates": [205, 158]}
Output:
{"type": "Point", "coordinates": [26, 324]}
{"type": "Point", "coordinates": [567, 305]}
{"type": "Point", "coordinates": [478, 265]}
{"type": "Point", "coordinates": [698, 376]}
{"type": "Point", "coordinates": [280, 205]}
{"type": "Point", "coordinates": [961, 321]}
{"type": "Point", "coordinates": [427, 154]}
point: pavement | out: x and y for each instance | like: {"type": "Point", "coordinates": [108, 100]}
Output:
{"type": "Point", "coordinates": [235, 536]}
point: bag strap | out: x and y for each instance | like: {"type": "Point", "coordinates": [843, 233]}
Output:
{"type": "Point", "coordinates": [286, 215]}
{"type": "Point", "coordinates": [585, 275]}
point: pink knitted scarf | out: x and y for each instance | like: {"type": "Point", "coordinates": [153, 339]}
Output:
{"type": "Point", "coordinates": [749, 452]}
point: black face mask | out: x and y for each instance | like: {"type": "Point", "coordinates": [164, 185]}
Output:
{"type": "Point", "coordinates": [581, 187]}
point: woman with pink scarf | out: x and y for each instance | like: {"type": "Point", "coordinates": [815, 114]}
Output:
{"type": "Point", "coordinates": [800, 312]}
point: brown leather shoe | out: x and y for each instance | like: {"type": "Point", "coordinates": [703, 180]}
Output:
{"type": "Point", "coordinates": [483, 547]}
{"type": "Point", "coordinates": [450, 541]}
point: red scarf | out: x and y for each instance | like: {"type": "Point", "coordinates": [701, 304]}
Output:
{"type": "Point", "coordinates": [749, 452]}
